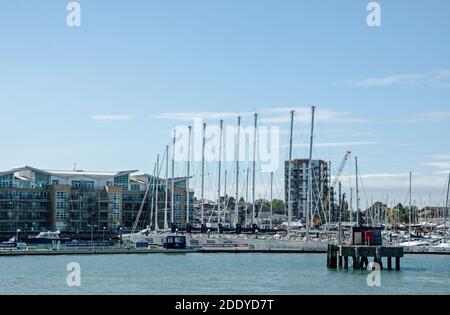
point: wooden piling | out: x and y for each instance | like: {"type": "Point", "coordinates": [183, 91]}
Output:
{"type": "Point", "coordinates": [397, 263]}
{"type": "Point", "coordinates": [356, 262]}
{"type": "Point", "coordinates": [364, 262]}
{"type": "Point", "coordinates": [338, 256]}
{"type": "Point", "coordinates": [332, 256]}
{"type": "Point", "coordinates": [378, 259]}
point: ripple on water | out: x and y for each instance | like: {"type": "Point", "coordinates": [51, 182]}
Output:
{"type": "Point", "coordinates": [220, 274]}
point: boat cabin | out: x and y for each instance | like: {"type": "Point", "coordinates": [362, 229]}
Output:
{"type": "Point", "coordinates": [175, 242]}
{"type": "Point", "coordinates": [361, 235]}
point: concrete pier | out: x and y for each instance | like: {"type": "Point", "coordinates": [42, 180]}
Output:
{"type": "Point", "coordinates": [360, 255]}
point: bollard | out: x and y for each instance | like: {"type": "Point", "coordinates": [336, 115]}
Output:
{"type": "Point", "coordinates": [397, 263]}
{"type": "Point", "coordinates": [378, 259]}
{"type": "Point", "coordinates": [345, 262]}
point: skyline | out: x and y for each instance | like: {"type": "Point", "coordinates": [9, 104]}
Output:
{"type": "Point", "coordinates": [106, 95]}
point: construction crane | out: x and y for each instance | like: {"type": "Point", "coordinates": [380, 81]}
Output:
{"type": "Point", "coordinates": [329, 199]}
{"type": "Point", "coordinates": [341, 168]}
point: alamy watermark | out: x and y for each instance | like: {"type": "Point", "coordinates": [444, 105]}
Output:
{"type": "Point", "coordinates": [73, 19]}
{"type": "Point", "coordinates": [74, 277]}
{"type": "Point", "coordinates": [267, 144]}
{"type": "Point", "coordinates": [374, 278]}
{"type": "Point", "coordinates": [374, 16]}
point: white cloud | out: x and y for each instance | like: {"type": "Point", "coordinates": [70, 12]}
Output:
{"type": "Point", "coordinates": [303, 115]}
{"type": "Point", "coordinates": [189, 116]}
{"type": "Point", "coordinates": [334, 144]}
{"type": "Point", "coordinates": [425, 117]}
{"type": "Point", "coordinates": [386, 181]}
{"type": "Point", "coordinates": [440, 161]}
{"type": "Point", "coordinates": [445, 165]}
{"type": "Point", "coordinates": [362, 133]}
{"type": "Point", "coordinates": [441, 157]}
{"type": "Point", "coordinates": [432, 116]}
{"type": "Point", "coordinates": [276, 115]}
{"type": "Point", "coordinates": [111, 118]}
{"type": "Point", "coordinates": [436, 78]}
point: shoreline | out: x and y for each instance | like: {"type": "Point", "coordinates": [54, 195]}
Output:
{"type": "Point", "coordinates": [124, 251]}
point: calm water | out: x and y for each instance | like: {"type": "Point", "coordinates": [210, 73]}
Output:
{"type": "Point", "coordinates": [195, 273]}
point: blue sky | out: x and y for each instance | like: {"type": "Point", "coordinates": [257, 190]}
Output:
{"type": "Point", "coordinates": [107, 94]}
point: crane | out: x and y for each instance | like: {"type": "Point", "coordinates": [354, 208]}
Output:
{"type": "Point", "coordinates": [341, 168]}
{"type": "Point", "coordinates": [329, 198]}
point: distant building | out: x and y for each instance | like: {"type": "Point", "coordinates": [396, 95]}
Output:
{"type": "Point", "coordinates": [299, 186]}
{"type": "Point", "coordinates": [35, 200]}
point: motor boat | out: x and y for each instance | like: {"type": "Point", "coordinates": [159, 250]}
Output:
{"type": "Point", "coordinates": [48, 238]}
{"type": "Point", "coordinates": [415, 243]}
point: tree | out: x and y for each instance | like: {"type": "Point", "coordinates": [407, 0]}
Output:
{"type": "Point", "coordinates": [278, 206]}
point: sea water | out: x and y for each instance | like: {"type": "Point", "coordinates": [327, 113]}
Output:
{"type": "Point", "coordinates": [216, 273]}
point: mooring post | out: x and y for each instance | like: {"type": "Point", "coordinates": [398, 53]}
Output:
{"type": "Point", "coordinates": [364, 262]}
{"type": "Point", "coordinates": [397, 263]}
{"type": "Point", "coordinates": [332, 256]}
{"type": "Point", "coordinates": [389, 260]}
{"type": "Point", "coordinates": [340, 261]}
{"type": "Point", "coordinates": [378, 259]}
{"type": "Point", "coordinates": [345, 262]}
{"type": "Point", "coordinates": [328, 256]}
{"type": "Point", "coordinates": [356, 258]}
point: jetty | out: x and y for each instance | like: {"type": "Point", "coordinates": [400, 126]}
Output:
{"type": "Point", "coordinates": [365, 243]}
{"type": "Point", "coordinates": [338, 256]}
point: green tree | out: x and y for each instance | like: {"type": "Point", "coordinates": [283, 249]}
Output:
{"type": "Point", "coordinates": [278, 206]}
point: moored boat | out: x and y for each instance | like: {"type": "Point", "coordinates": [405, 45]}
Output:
{"type": "Point", "coordinates": [47, 238]}
{"type": "Point", "coordinates": [13, 244]}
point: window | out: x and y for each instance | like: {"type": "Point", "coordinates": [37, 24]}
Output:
{"type": "Point", "coordinates": [40, 180]}
{"type": "Point", "coordinates": [83, 185]}
{"type": "Point", "coordinates": [6, 181]}
{"type": "Point", "coordinates": [62, 195]}
{"type": "Point", "coordinates": [122, 180]}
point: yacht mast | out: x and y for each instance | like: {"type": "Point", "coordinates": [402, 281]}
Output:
{"type": "Point", "coordinates": [203, 174]}
{"type": "Point", "coordinates": [290, 174]}
{"type": "Point", "coordinates": [446, 209]}
{"type": "Point", "coordinates": [166, 201]}
{"type": "Point", "coordinates": [357, 191]}
{"type": "Point", "coordinates": [246, 196]}
{"type": "Point", "coordinates": [386, 217]}
{"type": "Point", "coordinates": [225, 200]}
{"type": "Point", "coordinates": [309, 216]}
{"type": "Point", "coordinates": [150, 182]}
{"type": "Point", "coordinates": [271, 199]}
{"type": "Point", "coordinates": [220, 172]}
{"type": "Point", "coordinates": [410, 204]}
{"type": "Point", "coordinates": [188, 171]}
{"type": "Point", "coordinates": [351, 192]}
{"type": "Point", "coordinates": [151, 201]}
{"type": "Point", "coordinates": [254, 167]}
{"type": "Point", "coordinates": [329, 201]}
{"type": "Point", "coordinates": [156, 193]}
{"type": "Point", "coordinates": [172, 199]}
{"type": "Point", "coordinates": [236, 217]}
